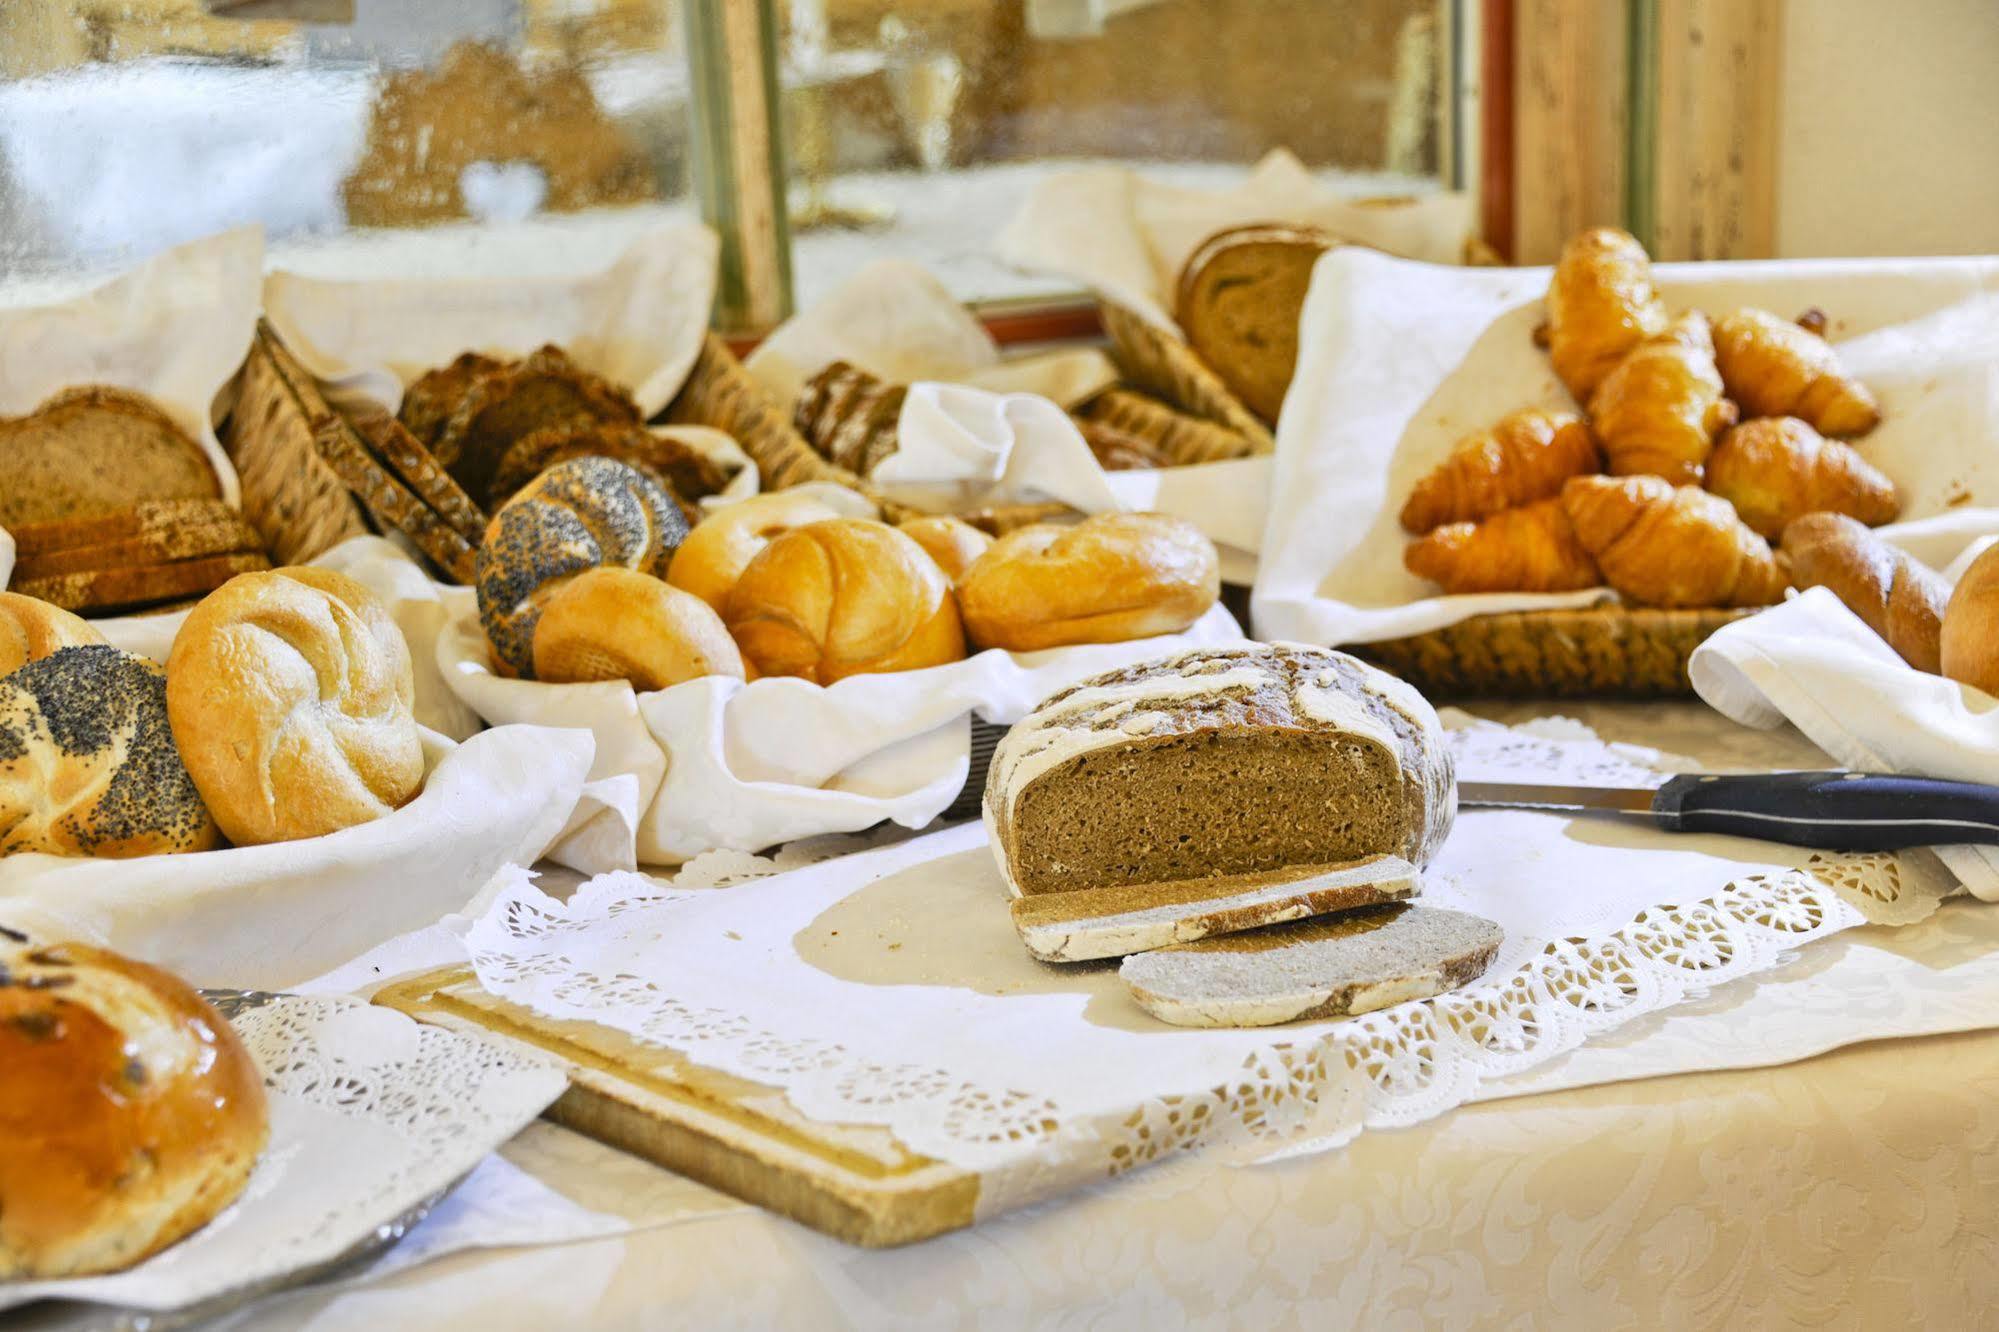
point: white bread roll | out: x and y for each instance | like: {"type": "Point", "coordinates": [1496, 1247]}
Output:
{"type": "Point", "coordinates": [844, 597]}
{"type": "Point", "coordinates": [577, 515]}
{"type": "Point", "coordinates": [130, 1114]}
{"type": "Point", "coordinates": [1969, 643]}
{"type": "Point", "coordinates": [954, 543]}
{"type": "Point", "coordinates": [1108, 579]}
{"type": "Point", "coordinates": [619, 624]}
{"type": "Point", "coordinates": [32, 629]}
{"type": "Point", "coordinates": [88, 765]}
{"type": "Point", "coordinates": [290, 695]}
{"type": "Point", "coordinates": [717, 551]}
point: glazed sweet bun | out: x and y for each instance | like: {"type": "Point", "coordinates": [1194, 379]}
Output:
{"type": "Point", "coordinates": [1108, 579]}
{"type": "Point", "coordinates": [32, 629]}
{"type": "Point", "coordinates": [717, 551]}
{"type": "Point", "coordinates": [619, 624]}
{"type": "Point", "coordinates": [952, 542]}
{"type": "Point", "coordinates": [844, 597]}
{"type": "Point", "coordinates": [130, 1113]}
{"type": "Point", "coordinates": [577, 515]}
{"type": "Point", "coordinates": [88, 765]}
{"type": "Point", "coordinates": [290, 693]}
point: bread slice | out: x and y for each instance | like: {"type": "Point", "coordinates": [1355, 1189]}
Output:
{"type": "Point", "coordinates": [1113, 922]}
{"type": "Point", "coordinates": [435, 397]}
{"type": "Point", "coordinates": [228, 536]}
{"type": "Point", "coordinates": [1240, 297]}
{"type": "Point", "coordinates": [96, 450]}
{"type": "Point", "coordinates": [149, 518]}
{"type": "Point", "coordinates": [684, 470]}
{"type": "Point", "coordinates": [849, 417]}
{"type": "Point", "coordinates": [113, 590]}
{"type": "Point", "coordinates": [390, 502]}
{"type": "Point", "coordinates": [507, 404]}
{"type": "Point", "coordinates": [419, 469]}
{"type": "Point", "coordinates": [1335, 966]}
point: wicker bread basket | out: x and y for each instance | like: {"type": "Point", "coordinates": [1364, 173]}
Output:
{"type": "Point", "coordinates": [1168, 368]}
{"type": "Point", "coordinates": [291, 495]}
{"type": "Point", "coordinates": [1612, 651]}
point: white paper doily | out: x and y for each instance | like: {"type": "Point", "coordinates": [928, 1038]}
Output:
{"type": "Point", "coordinates": [973, 1055]}
{"type": "Point", "coordinates": [371, 1113]}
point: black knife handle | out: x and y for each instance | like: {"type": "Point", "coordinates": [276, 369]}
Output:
{"type": "Point", "coordinates": [1832, 811]}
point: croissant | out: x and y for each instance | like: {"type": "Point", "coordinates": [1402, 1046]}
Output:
{"type": "Point", "coordinates": [1600, 305]}
{"type": "Point", "coordinates": [1525, 457]}
{"type": "Point", "coordinates": [1661, 408]}
{"type": "Point", "coordinates": [1774, 368]}
{"type": "Point", "coordinates": [1529, 549]}
{"type": "Point", "coordinates": [1664, 545]}
{"type": "Point", "coordinates": [1777, 468]}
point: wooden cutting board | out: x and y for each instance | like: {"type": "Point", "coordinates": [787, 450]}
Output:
{"type": "Point", "coordinates": [855, 1182]}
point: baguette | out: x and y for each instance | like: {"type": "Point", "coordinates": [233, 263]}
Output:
{"type": "Point", "coordinates": [1896, 595]}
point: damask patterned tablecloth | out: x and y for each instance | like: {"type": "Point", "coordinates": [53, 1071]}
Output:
{"type": "Point", "coordinates": [1853, 1187]}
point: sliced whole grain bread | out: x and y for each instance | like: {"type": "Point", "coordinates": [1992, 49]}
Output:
{"type": "Point", "coordinates": [1095, 923]}
{"type": "Point", "coordinates": [686, 471]}
{"type": "Point", "coordinates": [849, 416]}
{"type": "Point", "coordinates": [108, 591]}
{"type": "Point", "coordinates": [1332, 966]}
{"type": "Point", "coordinates": [149, 518]}
{"type": "Point", "coordinates": [95, 450]}
{"type": "Point", "coordinates": [388, 501]}
{"type": "Point", "coordinates": [392, 442]}
{"type": "Point", "coordinates": [229, 536]}
{"type": "Point", "coordinates": [516, 400]}
{"type": "Point", "coordinates": [435, 397]}
{"type": "Point", "coordinates": [1241, 293]}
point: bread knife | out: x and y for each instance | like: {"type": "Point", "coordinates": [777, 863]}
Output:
{"type": "Point", "coordinates": [1829, 811]}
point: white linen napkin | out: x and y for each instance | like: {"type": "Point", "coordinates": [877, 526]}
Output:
{"type": "Point", "coordinates": [1813, 663]}
{"type": "Point", "coordinates": [1398, 360]}
{"type": "Point", "coordinates": [960, 448]}
{"type": "Point", "coordinates": [1127, 236]}
{"type": "Point", "coordinates": [175, 328]}
{"type": "Point", "coordinates": [639, 323]}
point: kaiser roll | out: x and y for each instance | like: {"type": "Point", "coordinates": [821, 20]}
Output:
{"type": "Point", "coordinates": [130, 1113]}
{"type": "Point", "coordinates": [31, 629]}
{"type": "Point", "coordinates": [715, 554]}
{"type": "Point", "coordinates": [290, 695]}
{"type": "Point", "coordinates": [1969, 644]}
{"type": "Point", "coordinates": [619, 624]}
{"type": "Point", "coordinates": [1110, 578]}
{"type": "Point", "coordinates": [577, 515]}
{"type": "Point", "coordinates": [88, 765]}
{"type": "Point", "coordinates": [843, 597]}
{"type": "Point", "coordinates": [952, 542]}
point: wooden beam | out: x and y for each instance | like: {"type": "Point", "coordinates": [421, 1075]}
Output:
{"type": "Point", "coordinates": [1495, 126]}
{"type": "Point", "coordinates": [738, 160]}
{"type": "Point", "coordinates": [1719, 65]}
{"type": "Point", "coordinates": [1570, 109]}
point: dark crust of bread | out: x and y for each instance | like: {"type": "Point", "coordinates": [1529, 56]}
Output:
{"type": "Point", "coordinates": [683, 469]}
{"type": "Point", "coordinates": [392, 442]}
{"type": "Point", "coordinates": [504, 405]}
{"type": "Point", "coordinates": [431, 402]}
{"type": "Point", "coordinates": [228, 536]}
{"type": "Point", "coordinates": [388, 501]}
{"type": "Point", "coordinates": [181, 468]}
{"type": "Point", "coordinates": [1254, 351]}
{"type": "Point", "coordinates": [147, 518]}
{"type": "Point", "coordinates": [111, 590]}
{"type": "Point", "coordinates": [850, 417]}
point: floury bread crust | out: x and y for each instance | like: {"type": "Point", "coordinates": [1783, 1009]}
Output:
{"type": "Point", "coordinates": [1239, 761]}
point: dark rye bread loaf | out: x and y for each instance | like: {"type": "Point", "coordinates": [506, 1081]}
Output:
{"type": "Point", "coordinates": [95, 450]}
{"type": "Point", "coordinates": [1240, 297]}
{"type": "Point", "coordinates": [1334, 966]}
{"type": "Point", "coordinates": [1223, 761]}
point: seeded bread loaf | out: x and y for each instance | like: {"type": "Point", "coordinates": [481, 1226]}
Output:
{"type": "Point", "coordinates": [1248, 760]}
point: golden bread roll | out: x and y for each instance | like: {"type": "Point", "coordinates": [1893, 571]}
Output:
{"type": "Point", "coordinates": [1969, 645]}
{"type": "Point", "coordinates": [31, 630]}
{"type": "Point", "coordinates": [130, 1113]}
{"type": "Point", "coordinates": [952, 542]}
{"type": "Point", "coordinates": [619, 624]}
{"type": "Point", "coordinates": [577, 515]}
{"type": "Point", "coordinates": [88, 765]}
{"type": "Point", "coordinates": [1109, 579]}
{"type": "Point", "coordinates": [844, 597]}
{"type": "Point", "coordinates": [290, 696]}
{"type": "Point", "coordinates": [717, 551]}
{"type": "Point", "coordinates": [1896, 595]}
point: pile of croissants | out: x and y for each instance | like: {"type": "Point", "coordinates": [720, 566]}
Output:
{"type": "Point", "coordinates": [1699, 445]}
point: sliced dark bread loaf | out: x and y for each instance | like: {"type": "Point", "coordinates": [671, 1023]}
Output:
{"type": "Point", "coordinates": [1334, 966]}
{"type": "Point", "coordinates": [149, 518]}
{"type": "Point", "coordinates": [224, 536]}
{"type": "Point", "coordinates": [96, 450]}
{"type": "Point", "coordinates": [109, 591]}
{"type": "Point", "coordinates": [1240, 296]}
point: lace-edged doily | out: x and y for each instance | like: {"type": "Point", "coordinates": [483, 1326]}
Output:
{"type": "Point", "coordinates": [633, 954]}
{"type": "Point", "coordinates": [371, 1115]}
